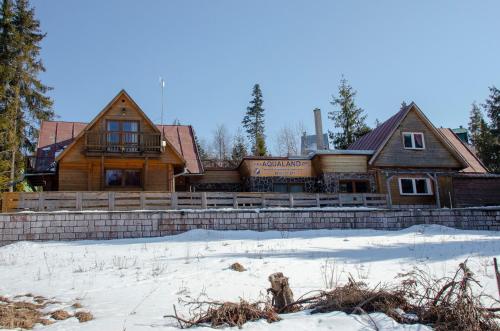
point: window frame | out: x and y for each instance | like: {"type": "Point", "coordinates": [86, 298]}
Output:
{"type": "Point", "coordinates": [412, 134]}
{"type": "Point", "coordinates": [123, 179]}
{"type": "Point", "coordinates": [353, 183]}
{"type": "Point", "coordinates": [414, 185]}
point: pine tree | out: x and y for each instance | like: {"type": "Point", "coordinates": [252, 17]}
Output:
{"type": "Point", "coordinates": [202, 153]}
{"type": "Point", "coordinates": [491, 142]}
{"type": "Point", "coordinates": [260, 146]}
{"type": "Point", "coordinates": [350, 118]}
{"type": "Point", "coordinates": [239, 150]}
{"type": "Point", "coordinates": [476, 126]}
{"type": "Point", "coordinates": [8, 53]}
{"type": "Point", "coordinates": [253, 122]}
{"type": "Point", "coordinates": [23, 100]}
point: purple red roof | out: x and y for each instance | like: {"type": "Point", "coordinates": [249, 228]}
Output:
{"type": "Point", "coordinates": [55, 136]}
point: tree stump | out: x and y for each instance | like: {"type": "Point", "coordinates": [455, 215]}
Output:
{"type": "Point", "coordinates": [282, 294]}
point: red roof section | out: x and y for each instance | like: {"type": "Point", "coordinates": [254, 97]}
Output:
{"type": "Point", "coordinates": [375, 138]}
{"type": "Point", "coordinates": [474, 163]}
{"type": "Point", "coordinates": [55, 136]}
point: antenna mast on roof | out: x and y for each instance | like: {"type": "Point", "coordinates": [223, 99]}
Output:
{"type": "Point", "coordinates": [162, 85]}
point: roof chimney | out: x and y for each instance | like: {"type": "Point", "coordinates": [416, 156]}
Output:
{"type": "Point", "coordinates": [319, 129]}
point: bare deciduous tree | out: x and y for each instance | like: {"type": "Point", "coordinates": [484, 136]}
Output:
{"type": "Point", "coordinates": [288, 140]}
{"type": "Point", "coordinates": [221, 143]}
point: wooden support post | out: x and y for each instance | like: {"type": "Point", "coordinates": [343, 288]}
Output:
{"type": "Point", "coordinates": [263, 200]}
{"type": "Point", "coordinates": [290, 199]}
{"type": "Point", "coordinates": [145, 185]}
{"type": "Point", "coordinates": [388, 188]}
{"type": "Point", "coordinates": [142, 198]}
{"type": "Point", "coordinates": [363, 196]}
{"type": "Point", "coordinates": [203, 200]}
{"type": "Point", "coordinates": [235, 200]}
{"type": "Point", "coordinates": [438, 198]}
{"type": "Point", "coordinates": [174, 200]}
{"type": "Point", "coordinates": [41, 201]}
{"type": "Point", "coordinates": [318, 203]}
{"type": "Point", "coordinates": [340, 199]}
{"type": "Point", "coordinates": [103, 174]}
{"type": "Point", "coordinates": [111, 201]}
{"type": "Point", "coordinates": [79, 204]}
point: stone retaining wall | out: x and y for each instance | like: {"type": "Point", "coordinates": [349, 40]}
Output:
{"type": "Point", "coordinates": [138, 224]}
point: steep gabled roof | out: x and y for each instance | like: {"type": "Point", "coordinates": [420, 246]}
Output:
{"type": "Point", "coordinates": [378, 138]}
{"type": "Point", "coordinates": [56, 136]}
{"type": "Point", "coordinates": [375, 138]}
{"type": "Point", "coordinates": [475, 165]}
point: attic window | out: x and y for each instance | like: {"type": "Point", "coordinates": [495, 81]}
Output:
{"type": "Point", "coordinates": [413, 140]}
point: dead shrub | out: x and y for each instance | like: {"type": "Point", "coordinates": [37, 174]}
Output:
{"type": "Point", "coordinates": [60, 315]}
{"type": "Point", "coordinates": [219, 314]}
{"type": "Point", "coordinates": [445, 304]}
{"type": "Point", "coordinates": [237, 267]}
{"type": "Point", "coordinates": [84, 316]}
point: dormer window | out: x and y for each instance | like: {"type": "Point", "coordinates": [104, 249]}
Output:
{"type": "Point", "coordinates": [413, 140]}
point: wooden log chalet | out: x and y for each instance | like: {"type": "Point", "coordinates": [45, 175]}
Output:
{"type": "Point", "coordinates": [406, 158]}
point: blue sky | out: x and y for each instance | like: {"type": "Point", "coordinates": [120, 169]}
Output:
{"type": "Point", "coordinates": [441, 54]}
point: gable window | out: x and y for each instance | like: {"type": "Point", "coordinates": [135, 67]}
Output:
{"type": "Point", "coordinates": [123, 177]}
{"type": "Point", "coordinates": [122, 135]}
{"type": "Point", "coordinates": [415, 186]}
{"type": "Point", "coordinates": [413, 140]}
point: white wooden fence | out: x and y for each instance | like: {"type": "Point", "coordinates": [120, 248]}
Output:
{"type": "Point", "coordinates": [51, 201]}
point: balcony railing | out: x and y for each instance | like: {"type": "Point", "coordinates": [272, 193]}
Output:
{"type": "Point", "coordinates": [38, 164]}
{"type": "Point", "coordinates": [123, 142]}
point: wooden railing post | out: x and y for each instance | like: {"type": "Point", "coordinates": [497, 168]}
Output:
{"type": "Point", "coordinates": [363, 196]}
{"type": "Point", "coordinates": [4, 202]}
{"type": "Point", "coordinates": [41, 201]}
{"type": "Point", "coordinates": [142, 198]}
{"type": "Point", "coordinates": [78, 204]}
{"type": "Point", "coordinates": [111, 200]}
{"type": "Point", "coordinates": [290, 199]}
{"type": "Point", "coordinates": [263, 200]}
{"type": "Point", "coordinates": [203, 200]}
{"type": "Point", "coordinates": [318, 204]}
{"type": "Point", "coordinates": [174, 200]}
{"type": "Point", "coordinates": [235, 200]}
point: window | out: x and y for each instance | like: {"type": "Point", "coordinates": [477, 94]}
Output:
{"type": "Point", "coordinates": [123, 133]}
{"type": "Point", "coordinates": [415, 186]}
{"type": "Point", "coordinates": [119, 177]}
{"type": "Point", "coordinates": [353, 186]}
{"type": "Point", "coordinates": [288, 188]}
{"type": "Point", "coordinates": [413, 140]}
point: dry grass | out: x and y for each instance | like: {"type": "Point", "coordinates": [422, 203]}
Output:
{"type": "Point", "coordinates": [84, 316]}
{"type": "Point", "coordinates": [237, 267]}
{"type": "Point", "coordinates": [60, 315]}
{"type": "Point", "coordinates": [76, 305]}
{"type": "Point", "coordinates": [22, 314]}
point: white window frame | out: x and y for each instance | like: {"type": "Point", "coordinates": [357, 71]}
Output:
{"type": "Point", "coordinates": [414, 183]}
{"type": "Point", "coordinates": [413, 140]}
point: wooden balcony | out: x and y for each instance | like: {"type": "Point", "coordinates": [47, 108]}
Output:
{"type": "Point", "coordinates": [118, 142]}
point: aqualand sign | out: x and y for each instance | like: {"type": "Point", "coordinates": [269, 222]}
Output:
{"type": "Point", "coordinates": [280, 168]}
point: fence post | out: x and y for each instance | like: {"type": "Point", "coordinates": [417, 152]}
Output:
{"type": "Point", "coordinates": [142, 199]}
{"type": "Point", "coordinates": [235, 200]}
{"type": "Point", "coordinates": [174, 200]}
{"type": "Point", "coordinates": [318, 204]}
{"type": "Point", "coordinates": [111, 200]}
{"type": "Point", "coordinates": [4, 202]}
{"type": "Point", "coordinates": [203, 200]}
{"type": "Point", "coordinates": [78, 201]}
{"type": "Point", "coordinates": [263, 200]}
{"type": "Point", "coordinates": [340, 199]}
{"type": "Point", "coordinates": [290, 198]}
{"type": "Point", "coordinates": [363, 196]}
{"type": "Point", "coordinates": [41, 200]}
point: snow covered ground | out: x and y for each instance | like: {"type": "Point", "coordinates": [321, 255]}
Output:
{"type": "Point", "coordinates": [131, 284]}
